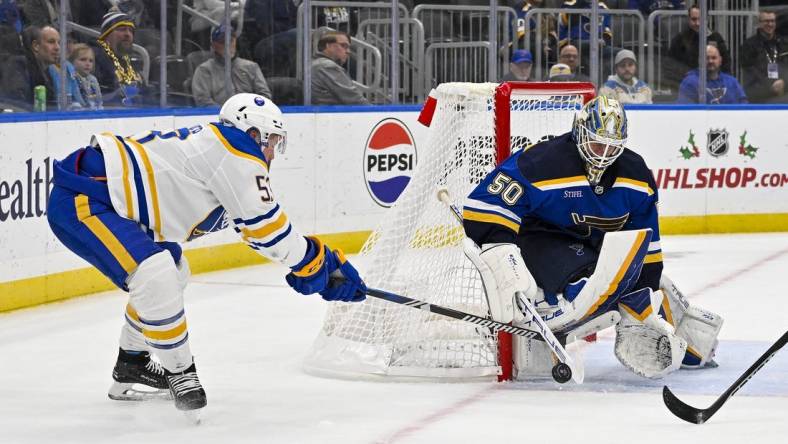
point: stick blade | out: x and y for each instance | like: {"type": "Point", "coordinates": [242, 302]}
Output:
{"type": "Point", "coordinates": [682, 410]}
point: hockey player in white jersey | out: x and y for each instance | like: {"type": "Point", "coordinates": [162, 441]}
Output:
{"type": "Point", "coordinates": [125, 203]}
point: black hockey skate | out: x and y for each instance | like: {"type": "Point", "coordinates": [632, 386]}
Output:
{"type": "Point", "coordinates": [186, 389]}
{"type": "Point", "coordinates": [138, 378]}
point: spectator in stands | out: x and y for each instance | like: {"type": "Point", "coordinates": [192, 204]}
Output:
{"type": "Point", "coordinates": [38, 12]}
{"type": "Point", "coordinates": [215, 10]}
{"type": "Point", "coordinates": [570, 56]}
{"type": "Point", "coordinates": [575, 29]}
{"type": "Point", "coordinates": [208, 83]}
{"type": "Point", "coordinates": [42, 46]}
{"type": "Point", "coordinates": [560, 72]}
{"type": "Point", "coordinates": [520, 66]}
{"type": "Point", "coordinates": [120, 83]}
{"type": "Point", "coordinates": [548, 26]}
{"type": "Point", "coordinates": [624, 86]}
{"type": "Point", "coordinates": [331, 85]}
{"type": "Point", "coordinates": [721, 88]}
{"type": "Point", "coordinates": [73, 96]}
{"type": "Point", "coordinates": [83, 58]}
{"type": "Point", "coordinates": [764, 59]}
{"type": "Point", "coordinates": [646, 7]}
{"type": "Point", "coordinates": [684, 47]}
{"type": "Point", "coordinates": [10, 19]}
{"type": "Point", "coordinates": [41, 50]}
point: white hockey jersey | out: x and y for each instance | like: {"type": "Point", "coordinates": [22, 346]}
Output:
{"type": "Point", "coordinates": [184, 183]}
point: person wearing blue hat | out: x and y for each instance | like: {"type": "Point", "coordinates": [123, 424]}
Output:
{"type": "Point", "coordinates": [208, 79]}
{"type": "Point", "coordinates": [520, 66]}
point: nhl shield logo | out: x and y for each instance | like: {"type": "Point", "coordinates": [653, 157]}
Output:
{"type": "Point", "coordinates": [717, 144]}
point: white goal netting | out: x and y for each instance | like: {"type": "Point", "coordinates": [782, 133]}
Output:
{"type": "Point", "coordinates": [416, 250]}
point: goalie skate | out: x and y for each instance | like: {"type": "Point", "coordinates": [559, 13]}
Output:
{"type": "Point", "coordinates": [138, 378]}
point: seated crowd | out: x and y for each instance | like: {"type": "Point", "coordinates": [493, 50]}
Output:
{"type": "Point", "coordinates": [106, 70]}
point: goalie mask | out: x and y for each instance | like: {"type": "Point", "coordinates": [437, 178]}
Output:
{"type": "Point", "coordinates": [258, 117]}
{"type": "Point", "coordinates": [600, 131]}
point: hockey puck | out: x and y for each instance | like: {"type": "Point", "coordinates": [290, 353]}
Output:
{"type": "Point", "coordinates": [562, 373]}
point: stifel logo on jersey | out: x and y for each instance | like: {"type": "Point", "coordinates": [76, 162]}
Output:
{"type": "Point", "coordinates": [389, 160]}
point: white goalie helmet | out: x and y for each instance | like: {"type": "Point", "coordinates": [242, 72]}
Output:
{"type": "Point", "coordinates": [257, 116]}
{"type": "Point", "coordinates": [600, 130]}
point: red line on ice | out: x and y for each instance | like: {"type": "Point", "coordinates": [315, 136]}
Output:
{"type": "Point", "coordinates": [435, 417]}
{"type": "Point", "coordinates": [736, 273]}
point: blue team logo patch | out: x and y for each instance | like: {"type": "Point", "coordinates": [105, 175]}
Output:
{"type": "Point", "coordinates": [389, 161]}
{"type": "Point", "coordinates": [259, 101]}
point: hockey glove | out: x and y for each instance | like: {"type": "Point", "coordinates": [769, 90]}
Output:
{"type": "Point", "coordinates": [313, 277]}
{"type": "Point", "coordinates": [344, 283]}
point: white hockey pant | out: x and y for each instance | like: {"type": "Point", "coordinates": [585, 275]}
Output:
{"type": "Point", "coordinates": [155, 318]}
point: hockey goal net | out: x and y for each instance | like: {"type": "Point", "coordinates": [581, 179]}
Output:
{"type": "Point", "coordinates": [416, 251]}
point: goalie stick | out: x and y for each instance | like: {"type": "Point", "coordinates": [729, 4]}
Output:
{"type": "Point", "coordinates": [699, 416]}
{"type": "Point", "coordinates": [566, 367]}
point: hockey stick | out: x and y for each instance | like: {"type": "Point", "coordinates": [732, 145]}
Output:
{"type": "Point", "coordinates": [452, 313]}
{"type": "Point", "coordinates": [699, 416]}
{"type": "Point", "coordinates": [561, 373]}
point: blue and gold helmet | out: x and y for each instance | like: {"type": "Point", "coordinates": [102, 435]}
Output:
{"type": "Point", "coordinates": [600, 131]}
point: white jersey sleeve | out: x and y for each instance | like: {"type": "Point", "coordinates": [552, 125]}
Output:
{"type": "Point", "coordinates": [241, 183]}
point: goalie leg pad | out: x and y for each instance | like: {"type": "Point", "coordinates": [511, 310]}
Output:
{"type": "Point", "coordinates": [532, 359]}
{"type": "Point", "coordinates": [648, 351]}
{"type": "Point", "coordinates": [509, 273]}
{"type": "Point", "coordinates": [697, 326]}
{"type": "Point", "coordinates": [646, 343]}
{"type": "Point", "coordinates": [156, 306]}
{"type": "Point", "coordinates": [700, 329]}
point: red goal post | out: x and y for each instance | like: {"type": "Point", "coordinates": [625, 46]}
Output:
{"type": "Point", "coordinates": [503, 137]}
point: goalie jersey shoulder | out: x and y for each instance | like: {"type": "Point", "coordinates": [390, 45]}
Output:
{"type": "Point", "coordinates": [546, 186]}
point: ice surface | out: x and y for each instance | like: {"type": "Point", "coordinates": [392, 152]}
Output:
{"type": "Point", "coordinates": [249, 333]}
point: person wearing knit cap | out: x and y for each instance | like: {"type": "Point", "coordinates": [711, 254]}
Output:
{"type": "Point", "coordinates": [624, 86]}
{"type": "Point", "coordinates": [560, 72]}
{"type": "Point", "coordinates": [120, 83]}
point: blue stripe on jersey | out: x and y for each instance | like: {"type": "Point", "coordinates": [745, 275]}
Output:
{"type": "Point", "coordinates": [139, 187]}
{"type": "Point", "coordinates": [169, 320]}
{"type": "Point", "coordinates": [241, 141]}
{"type": "Point", "coordinates": [276, 240]}
{"type": "Point", "coordinates": [256, 219]}
{"type": "Point", "coordinates": [132, 324]}
{"type": "Point", "coordinates": [169, 346]}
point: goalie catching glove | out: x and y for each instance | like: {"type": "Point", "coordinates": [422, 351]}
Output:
{"type": "Point", "coordinates": [327, 273]}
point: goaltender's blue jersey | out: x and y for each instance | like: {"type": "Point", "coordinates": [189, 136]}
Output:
{"type": "Point", "coordinates": [544, 189]}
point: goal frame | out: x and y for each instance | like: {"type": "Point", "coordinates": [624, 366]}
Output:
{"type": "Point", "coordinates": [416, 251]}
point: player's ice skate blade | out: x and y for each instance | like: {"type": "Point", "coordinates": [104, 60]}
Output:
{"type": "Point", "coordinates": [125, 391]}
{"type": "Point", "coordinates": [138, 378]}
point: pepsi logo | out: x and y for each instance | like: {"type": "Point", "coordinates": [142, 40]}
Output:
{"type": "Point", "coordinates": [389, 161]}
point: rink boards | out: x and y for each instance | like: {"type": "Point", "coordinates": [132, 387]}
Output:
{"type": "Point", "coordinates": [717, 170]}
